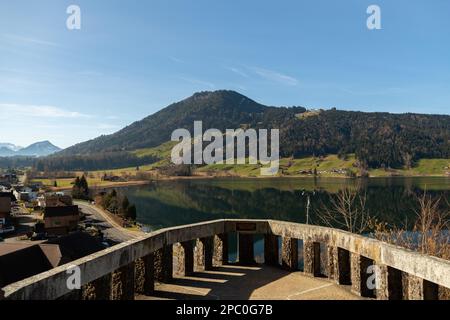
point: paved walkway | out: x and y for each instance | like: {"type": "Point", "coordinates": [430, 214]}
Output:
{"type": "Point", "coordinates": [247, 283]}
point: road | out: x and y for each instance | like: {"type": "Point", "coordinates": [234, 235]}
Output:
{"type": "Point", "coordinates": [101, 219]}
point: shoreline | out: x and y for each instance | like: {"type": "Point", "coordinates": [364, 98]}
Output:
{"type": "Point", "coordinates": [209, 177]}
{"type": "Point", "coordinates": [106, 186]}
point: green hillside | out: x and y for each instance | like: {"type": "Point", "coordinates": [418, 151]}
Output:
{"type": "Point", "coordinates": [375, 140]}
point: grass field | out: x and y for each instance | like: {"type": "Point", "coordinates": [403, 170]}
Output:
{"type": "Point", "coordinates": [332, 166]}
{"type": "Point", "coordinates": [161, 151]}
{"type": "Point", "coordinates": [329, 166]}
{"type": "Point", "coordinates": [68, 182]}
{"type": "Point", "coordinates": [323, 166]}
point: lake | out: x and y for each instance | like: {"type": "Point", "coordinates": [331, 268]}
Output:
{"type": "Point", "coordinates": [177, 202]}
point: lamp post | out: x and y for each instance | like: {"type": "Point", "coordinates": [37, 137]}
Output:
{"type": "Point", "coordinates": [308, 204]}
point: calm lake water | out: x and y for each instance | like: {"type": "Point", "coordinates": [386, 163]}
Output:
{"type": "Point", "coordinates": [170, 203]}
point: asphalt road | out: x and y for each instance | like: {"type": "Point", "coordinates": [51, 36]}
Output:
{"type": "Point", "coordinates": [110, 229]}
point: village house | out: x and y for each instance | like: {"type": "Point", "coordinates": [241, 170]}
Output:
{"type": "Point", "coordinates": [22, 260]}
{"type": "Point", "coordinates": [6, 198]}
{"type": "Point", "coordinates": [25, 193]}
{"type": "Point", "coordinates": [61, 220]}
{"type": "Point", "coordinates": [8, 179]}
{"type": "Point", "coordinates": [57, 199]}
{"type": "Point", "coordinates": [112, 178]}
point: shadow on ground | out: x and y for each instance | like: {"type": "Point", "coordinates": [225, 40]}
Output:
{"type": "Point", "coordinates": [243, 283]}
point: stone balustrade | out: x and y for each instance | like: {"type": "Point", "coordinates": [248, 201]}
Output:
{"type": "Point", "coordinates": [372, 268]}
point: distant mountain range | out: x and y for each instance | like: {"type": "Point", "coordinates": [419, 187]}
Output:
{"type": "Point", "coordinates": [38, 149]}
{"type": "Point", "coordinates": [378, 139]}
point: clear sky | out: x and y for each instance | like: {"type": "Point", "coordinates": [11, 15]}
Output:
{"type": "Point", "coordinates": [132, 58]}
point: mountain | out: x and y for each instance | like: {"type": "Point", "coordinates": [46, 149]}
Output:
{"type": "Point", "coordinates": [10, 146]}
{"type": "Point", "coordinates": [8, 149]}
{"type": "Point", "coordinates": [219, 109]}
{"type": "Point", "coordinates": [6, 152]}
{"type": "Point", "coordinates": [378, 139]}
{"type": "Point", "coordinates": [38, 149]}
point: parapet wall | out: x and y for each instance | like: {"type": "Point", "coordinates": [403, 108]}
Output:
{"type": "Point", "coordinates": [400, 273]}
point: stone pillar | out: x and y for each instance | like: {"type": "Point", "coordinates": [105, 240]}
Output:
{"type": "Point", "coordinates": [220, 256]}
{"type": "Point", "coordinates": [246, 255]}
{"type": "Point", "coordinates": [355, 273]}
{"type": "Point", "coordinates": [144, 275]}
{"type": "Point", "coordinates": [199, 256]}
{"type": "Point", "coordinates": [420, 289]}
{"type": "Point", "coordinates": [359, 275]}
{"type": "Point", "coordinates": [311, 258]}
{"type": "Point", "coordinates": [122, 284]}
{"type": "Point", "coordinates": [203, 254]}
{"type": "Point", "coordinates": [342, 266]}
{"type": "Point", "coordinates": [178, 259]}
{"type": "Point", "coordinates": [183, 254]}
{"type": "Point", "coordinates": [331, 261]}
{"type": "Point", "coordinates": [414, 288]}
{"type": "Point", "coordinates": [443, 293]}
{"type": "Point", "coordinates": [382, 289]}
{"type": "Point", "coordinates": [271, 250]}
{"type": "Point", "coordinates": [289, 253]}
{"type": "Point", "coordinates": [163, 263]}
{"type": "Point", "coordinates": [99, 289]}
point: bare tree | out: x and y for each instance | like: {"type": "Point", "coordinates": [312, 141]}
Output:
{"type": "Point", "coordinates": [429, 235]}
{"type": "Point", "coordinates": [430, 232]}
{"type": "Point", "coordinates": [432, 227]}
{"type": "Point", "coordinates": [347, 210]}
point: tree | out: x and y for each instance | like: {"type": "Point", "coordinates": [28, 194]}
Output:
{"type": "Point", "coordinates": [347, 211]}
{"type": "Point", "coordinates": [84, 184]}
{"type": "Point", "coordinates": [131, 212]}
{"type": "Point", "coordinates": [80, 189]}
{"type": "Point", "coordinates": [124, 206]}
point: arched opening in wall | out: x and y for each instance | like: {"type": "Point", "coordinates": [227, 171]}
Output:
{"type": "Point", "coordinates": [323, 260]}
{"type": "Point", "coordinates": [343, 266]}
{"type": "Point", "coordinates": [258, 248]}
{"type": "Point", "coordinates": [395, 281]}
{"type": "Point", "coordinates": [301, 257]}
{"type": "Point", "coordinates": [367, 277]}
{"type": "Point", "coordinates": [232, 247]}
{"type": "Point", "coordinates": [280, 255]}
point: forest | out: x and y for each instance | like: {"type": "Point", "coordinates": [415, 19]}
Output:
{"type": "Point", "coordinates": [379, 140]}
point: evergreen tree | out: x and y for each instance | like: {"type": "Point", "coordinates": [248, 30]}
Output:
{"type": "Point", "coordinates": [131, 212]}
{"type": "Point", "coordinates": [124, 206]}
{"type": "Point", "coordinates": [80, 189]}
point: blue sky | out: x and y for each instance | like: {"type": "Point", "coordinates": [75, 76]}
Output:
{"type": "Point", "coordinates": [132, 58]}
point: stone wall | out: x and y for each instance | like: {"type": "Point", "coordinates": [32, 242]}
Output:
{"type": "Point", "coordinates": [132, 266]}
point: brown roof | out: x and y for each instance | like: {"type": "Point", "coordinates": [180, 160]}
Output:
{"type": "Point", "coordinates": [9, 247]}
{"type": "Point", "coordinates": [76, 245]}
{"type": "Point", "coordinates": [22, 264]}
{"type": "Point", "coordinates": [22, 260]}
